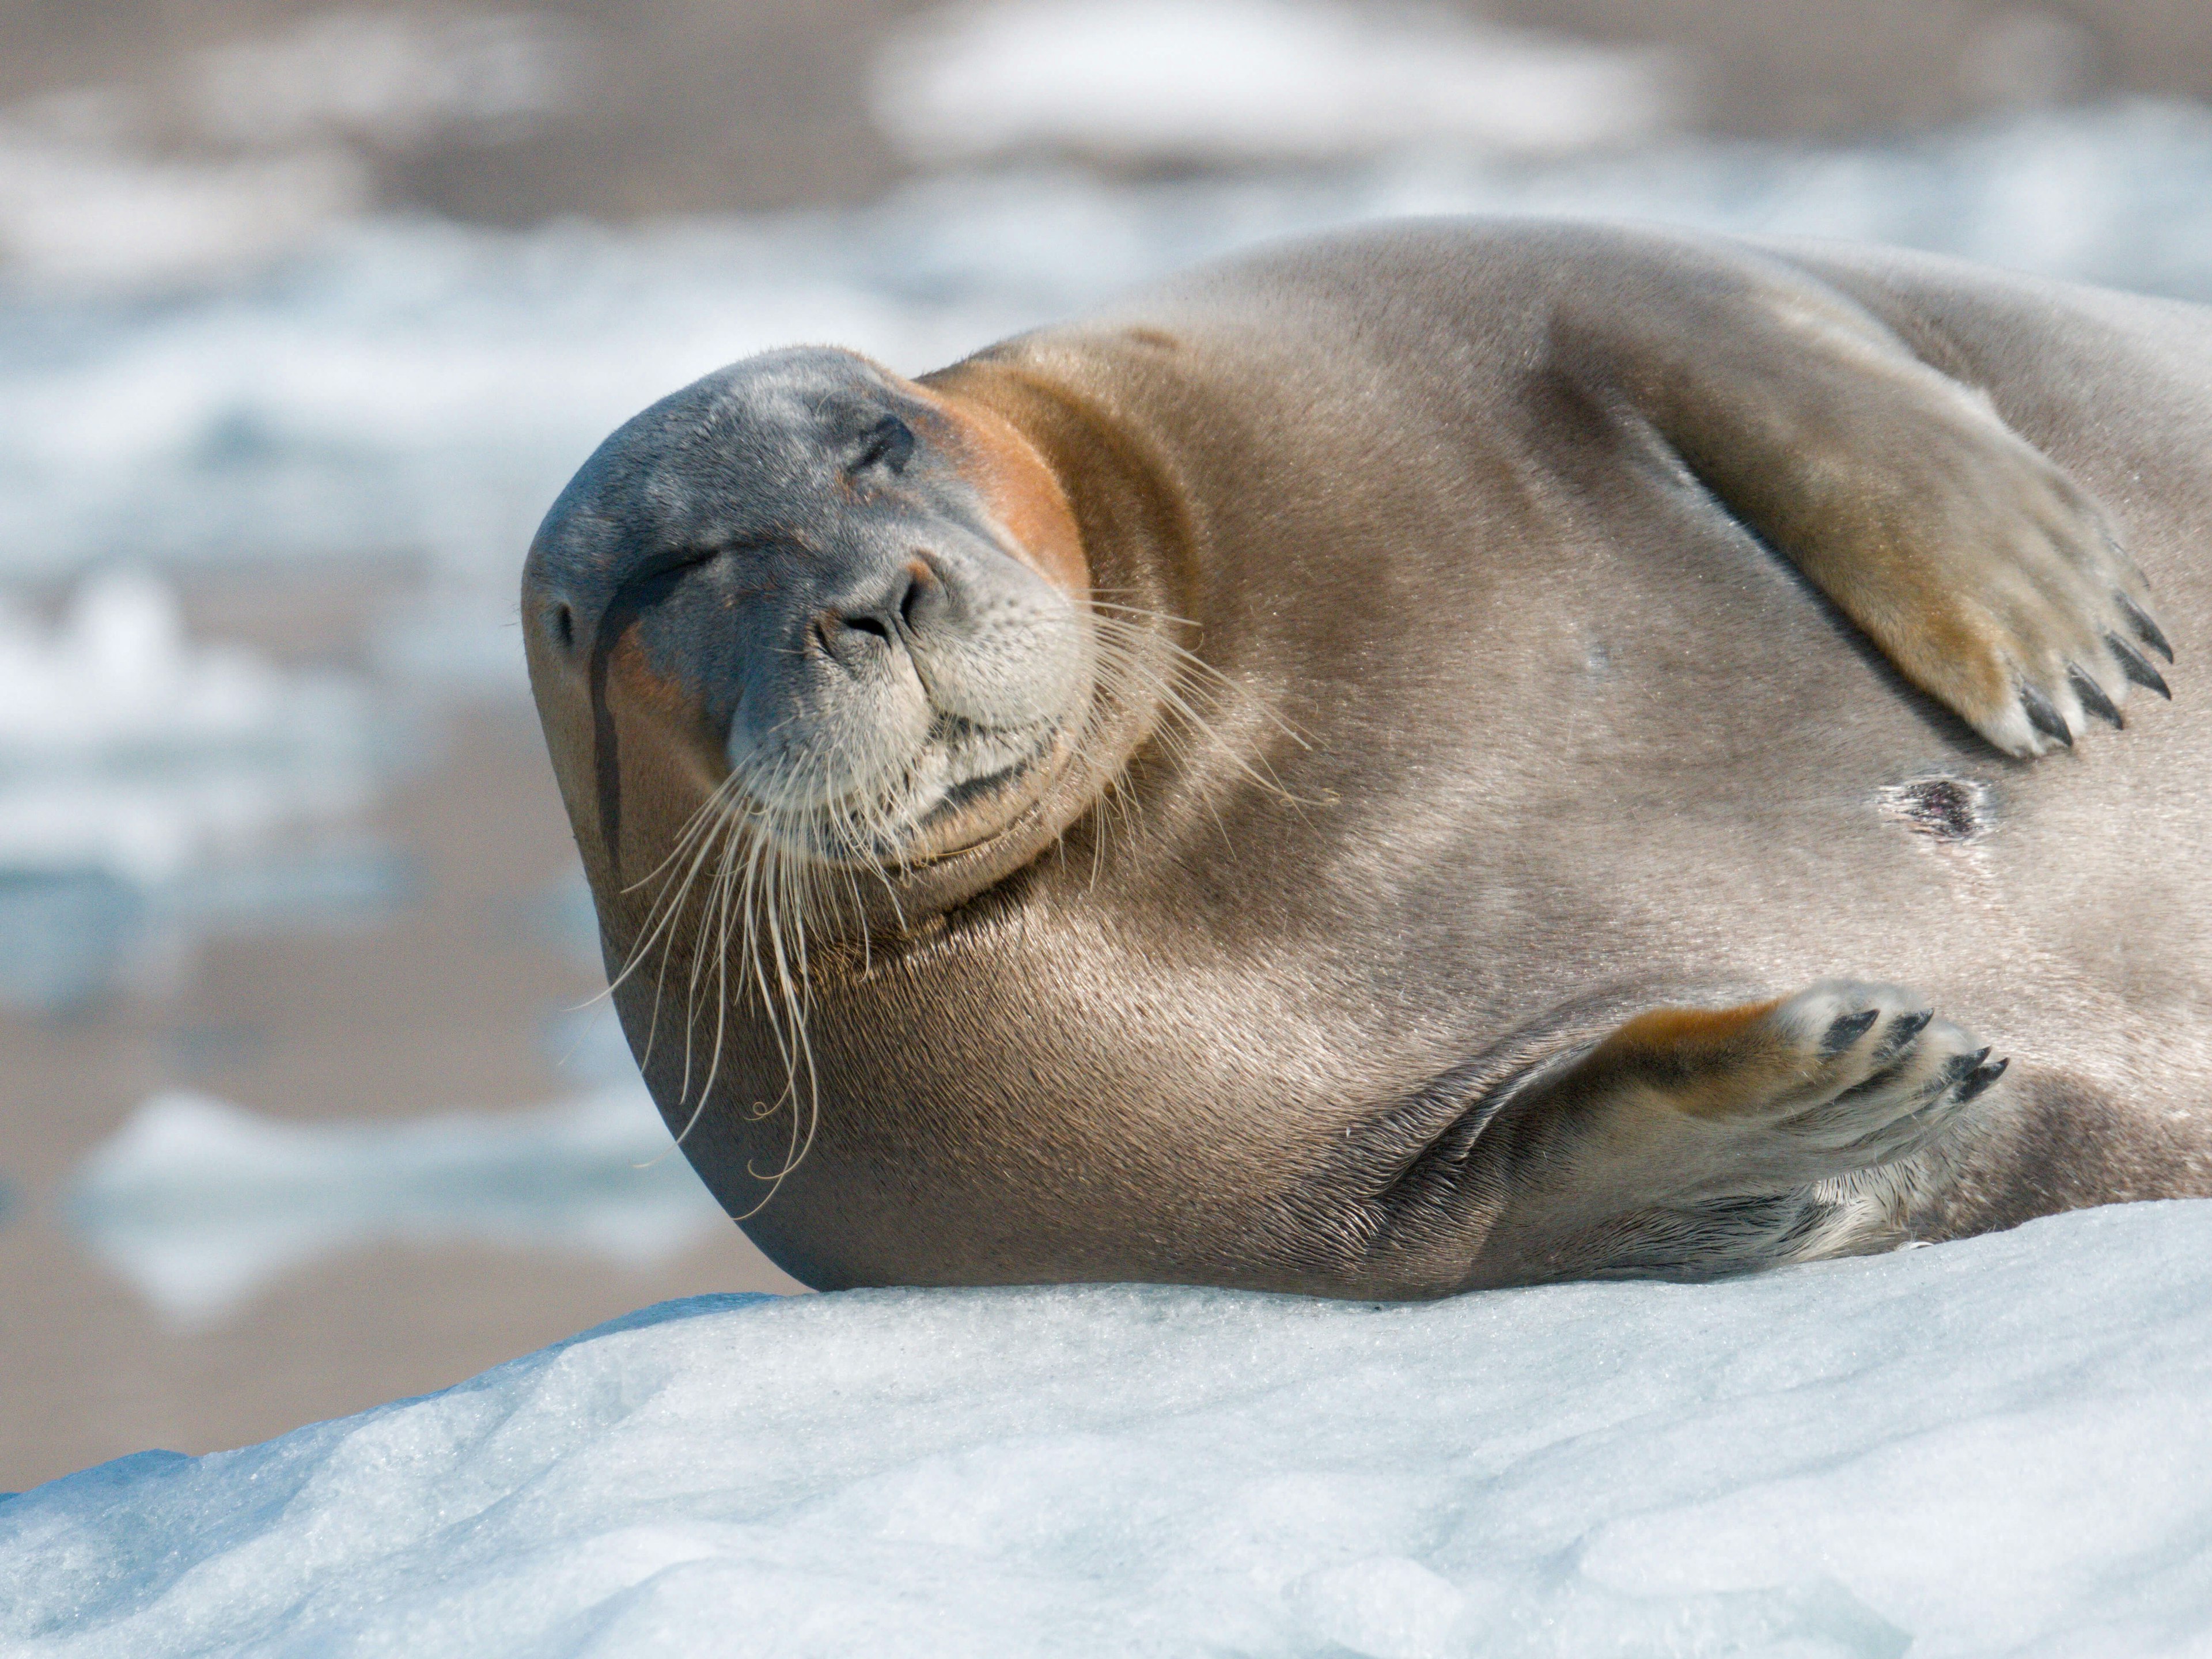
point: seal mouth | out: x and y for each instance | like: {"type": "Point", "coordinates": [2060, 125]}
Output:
{"type": "Point", "coordinates": [962, 788]}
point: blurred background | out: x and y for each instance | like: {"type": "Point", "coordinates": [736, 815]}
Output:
{"type": "Point", "coordinates": [305, 314]}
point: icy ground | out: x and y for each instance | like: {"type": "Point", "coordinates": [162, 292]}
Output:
{"type": "Point", "coordinates": [1998, 1446]}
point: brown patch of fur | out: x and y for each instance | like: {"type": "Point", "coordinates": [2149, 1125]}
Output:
{"type": "Point", "coordinates": [1706, 1062]}
{"type": "Point", "coordinates": [1022, 491]}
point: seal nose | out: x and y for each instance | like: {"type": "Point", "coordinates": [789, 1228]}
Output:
{"type": "Point", "coordinates": [852, 634]}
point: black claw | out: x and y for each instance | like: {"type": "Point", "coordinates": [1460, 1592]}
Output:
{"type": "Point", "coordinates": [1845, 1031]}
{"type": "Point", "coordinates": [2043, 717]}
{"type": "Point", "coordinates": [1962, 1067]}
{"type": "Point", "coordinates": [2133, 666]}
{"type": "Point", "coordinates": [2092, 696]}
{"type": "Point", "coordinates": [1902, 1031]}
{"type": "Point", "coordinates": [2145, 626]}
{"type": "Point", "coordinates": [1981, 1076]}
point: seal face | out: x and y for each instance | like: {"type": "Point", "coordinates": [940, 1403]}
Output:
{"type": "Point", "coordinates": [1144, 802]}
{"type": "Point", "coordinates": [802, 563]}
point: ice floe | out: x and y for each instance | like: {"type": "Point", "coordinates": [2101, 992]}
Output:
{"type": "Point", "coordinates": [2002, 1446]}
{"type": "Point", "coordinates": [1235, 81]}
{"type": "Point", "coordinates": [200, 1205]}
{"type": "Point", "coordinates": [142, 772]}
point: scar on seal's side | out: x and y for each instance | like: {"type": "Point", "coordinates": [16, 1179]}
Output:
{"type": "Point", "coordinates": [1411, 760]}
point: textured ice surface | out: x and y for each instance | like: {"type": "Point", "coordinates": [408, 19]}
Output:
{"type": "Point", "coordinates": [1998, 1446]}
{"type": "Point", "coordinates": [1231, 81]}
{"type": "Point", "coordinates": [200, 1204]}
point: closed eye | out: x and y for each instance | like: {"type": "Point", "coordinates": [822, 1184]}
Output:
{"type": "Point", "coordinates": [660, 571]}
{"type": "Point", "coordinates": [889, 445]}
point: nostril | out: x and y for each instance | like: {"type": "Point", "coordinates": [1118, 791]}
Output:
{"type": "Point", "coordinates": [921, 588]}
{"type": "Point", "coordinates": [897, 614]}
{"type": "Point", "coordinates": [564, 627]}
{"type": "Point", "coordinates": [841, 634]}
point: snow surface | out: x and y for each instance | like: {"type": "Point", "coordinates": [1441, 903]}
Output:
{"type": "Point", "coordinates": [1243, 80]}
{"type": "Point", "coordinates": [2002, 1446]}
{"type": "Point", "coordinates": [201, 1205]}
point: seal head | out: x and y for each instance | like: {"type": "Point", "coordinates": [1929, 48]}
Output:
{"type": "Point", "coordinates": [853, 606]}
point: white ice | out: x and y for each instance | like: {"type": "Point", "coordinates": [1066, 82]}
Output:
{"type": "Point", "coordinates": [1243, 80]}
{"type": "Point", "coordinates": [116, 675]}
{"type": "Point", "coordinates": [201, 1206]}
{"type": "Point", "coordinates": [128, 749]}
{"type": "Point", "coordinates": [1999, 1447]}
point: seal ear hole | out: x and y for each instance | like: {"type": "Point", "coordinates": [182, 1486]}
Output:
{"type": "Point", "coordinates": [889, 445]}
{"type": "Point", "coordinates": [564, 627]}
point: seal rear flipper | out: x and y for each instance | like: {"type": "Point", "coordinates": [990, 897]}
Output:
{"type": "Point", "coordinates": [1693, 1142]}
{"type": "Point", "coordinates": [1992, 580]}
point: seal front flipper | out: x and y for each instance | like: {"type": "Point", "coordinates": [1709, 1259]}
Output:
{"type": "Point", "coordinates": [1991, 579]}
{"type": "Point", "coordinates": [1693, 1142]}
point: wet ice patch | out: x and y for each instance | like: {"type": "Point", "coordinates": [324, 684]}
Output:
{"type": "Point", "coordinates": [71, 936]}
{"type": "Point", "coordinates": [1995, 1447]}
{"type": "Point", "coordinates": [1238, 81]}
{"type": "Point", "coordinates": [201, 1206]}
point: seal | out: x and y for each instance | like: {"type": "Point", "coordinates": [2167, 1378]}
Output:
{"type": "Point", "coordinates": [1410, 761]}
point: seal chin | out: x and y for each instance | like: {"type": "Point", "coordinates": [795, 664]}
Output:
{"type": "Point", "coordinates": [961, 787]}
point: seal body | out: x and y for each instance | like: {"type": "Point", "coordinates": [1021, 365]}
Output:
{"type": "Point", "coordinates": [1559, 683]}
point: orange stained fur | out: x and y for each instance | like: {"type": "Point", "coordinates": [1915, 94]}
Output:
{"type": "Point", "coordinates": [668, 758]}
{"type": "Point", "coordinates": [1704, 1060]}
{"type": "Point", "coordinates": [1022, 491]}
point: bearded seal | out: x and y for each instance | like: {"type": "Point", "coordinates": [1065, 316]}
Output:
{"type": "Point", "coordinates": [1410, 761]}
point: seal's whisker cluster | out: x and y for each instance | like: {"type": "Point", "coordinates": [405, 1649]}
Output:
{"type": "Point", "coordinates": [778, 853]}
{"type": "Point", "coordinates": [1127, 650]}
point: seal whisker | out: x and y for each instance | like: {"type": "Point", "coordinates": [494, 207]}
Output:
{"type": "Point", "coordinates": [665, 930]}
{"type": "Point", "coordinates": [661, 914]}
{"type": "Point", "coordinates": [717, 903]}
{"type": "Point", "coordinates": [1122, 622]}
{"type": "Point", "coordinates": [1123, 666]}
